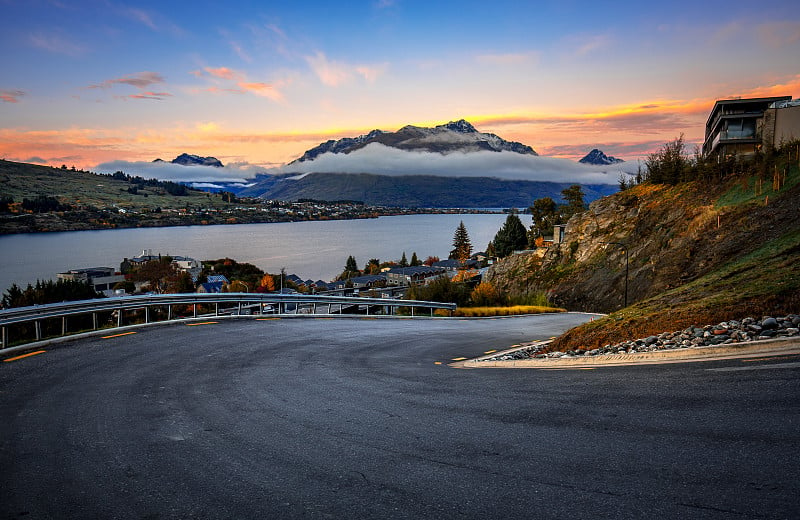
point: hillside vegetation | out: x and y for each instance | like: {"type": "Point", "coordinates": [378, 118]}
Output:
{"type": "Point", "coordinates": [724, 246]}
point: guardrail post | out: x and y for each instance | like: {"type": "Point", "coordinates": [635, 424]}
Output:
{"type": "Point", "coordinates": [63, 325]}
{"type": "Point", "coordinates": [119, 317]}
{"type": "Point", "coordinates": [147, 314]}
{"type": "Point", "coordinates": [94, 321]}
{"type": "Point", "coordinates": [194, 310]}
{"type": "Point", "coordinates": [412, 311]}
{"type": "Point", "coordinates": [4, 338]}
{"type": "Point", "coordinates": [38, 326]}
{"type": "Point", "coordinates": [169, 312]}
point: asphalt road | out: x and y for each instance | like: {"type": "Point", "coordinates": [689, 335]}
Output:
{"type": "Point", "coordinates": [355, 419]}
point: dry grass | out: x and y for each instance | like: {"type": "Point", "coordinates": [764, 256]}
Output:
{"type": "Point", "coordinates": [514, 310]}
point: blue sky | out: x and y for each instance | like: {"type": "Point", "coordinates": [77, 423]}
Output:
{"type": "Point", "coordinates": [260, 82]}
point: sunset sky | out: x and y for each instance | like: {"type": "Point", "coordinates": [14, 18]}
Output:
{"type": "Point", "coordinates": [88, 82]}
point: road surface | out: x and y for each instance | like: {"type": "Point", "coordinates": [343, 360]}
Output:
{"type": "Point", "coordinates": [359, 418]}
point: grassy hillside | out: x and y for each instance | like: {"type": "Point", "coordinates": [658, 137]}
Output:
{"type": "Point", "coordinates": [77, 188]}
{"type": "Point", "coordinates": [698, 253]}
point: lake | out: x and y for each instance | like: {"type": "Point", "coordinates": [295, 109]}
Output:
{"type": "Point", "coordinates": [315, 250]}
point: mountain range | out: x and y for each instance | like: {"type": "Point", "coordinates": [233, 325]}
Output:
{"type": "Point", "coordinates": [187, 159]}
{"type": "Point", "coordinates": [598, 158]}
{"type": "Point", "coordinates": [455, 136]}
{"type": "Point", "coordinates": [316, 174]}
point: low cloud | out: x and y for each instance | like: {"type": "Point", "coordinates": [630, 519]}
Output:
{"type": "Point", "coordinates": [379, 159]}
{"type": "Point", "coordinates": [166, 171]}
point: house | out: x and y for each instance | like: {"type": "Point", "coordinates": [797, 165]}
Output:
{"type": "Point", "coordinates": [558, 233]}
{"type": "Point", "coordinates": [214, 278]}
{"type": "Point", "coordinates": [368, 281]}
{"type": "Point", "coordinates": [102, 279]}
{"type": "Point", "coordinates": [745, 126]}
{"type": "Point", "coordinates": [417, 275]}
{"type": "Point", "coordinates": [210, 287]}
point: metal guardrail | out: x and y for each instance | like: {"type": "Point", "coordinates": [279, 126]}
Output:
{"type": "Point", "coordinates": [224, 304]}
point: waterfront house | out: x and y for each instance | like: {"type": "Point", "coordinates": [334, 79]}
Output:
{"type": "Point", "coordinates": [102, 279]}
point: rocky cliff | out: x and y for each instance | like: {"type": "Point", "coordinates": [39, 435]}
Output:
{"type": "Point", "coordinates": [695, 254]}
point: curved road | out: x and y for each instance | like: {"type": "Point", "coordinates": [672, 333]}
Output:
{"type": "Point", "coordinates": [354, 418]}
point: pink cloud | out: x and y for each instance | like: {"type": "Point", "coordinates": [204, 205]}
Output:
{"type": "Point", "coordinates": [150, 95]}
{"type": "Point", "coordinates": [139, 80]}
{"type": "Point", "coordinates": [11, 96]}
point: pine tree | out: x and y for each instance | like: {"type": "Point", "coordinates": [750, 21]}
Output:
{"type": "Point", "coordinates": [351, 265]}
{"type": "Point", "coordinates": [414, 260]}
{"type": "Point", "coordinates": [462, 247]}
{"type": "Point", "coordinates": [404, 260]}
{"type": "Point", "coordinates": [511, 237]}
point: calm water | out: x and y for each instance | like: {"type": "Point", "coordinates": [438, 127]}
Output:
{"type": "Point", "coordinates": [315, 250]}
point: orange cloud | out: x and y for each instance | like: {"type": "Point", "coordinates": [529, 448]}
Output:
{"type": "Point", "coordinates": [266, 90]}
{"type": "Point", "coordinates": [791, 87]}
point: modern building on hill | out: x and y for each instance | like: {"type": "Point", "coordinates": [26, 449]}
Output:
{"type": "Point", "coordinates": [745, 126]}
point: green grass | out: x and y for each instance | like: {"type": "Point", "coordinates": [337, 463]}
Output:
{"type": "Point", "coordinates": [746, 190]}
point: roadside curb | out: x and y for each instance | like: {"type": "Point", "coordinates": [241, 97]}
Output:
{"type": "Point", "coordinates": [684, 355]}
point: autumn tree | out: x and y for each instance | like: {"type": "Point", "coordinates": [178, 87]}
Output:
{"type": "Point", "coordinates": [430, 260]}
{"type": "Point", "coordinates": [511, 236]}
{"type": "Point", "coordinates": [156, 273]}
{"type": "Point", "coordinates": [462, 247]}
{"type": "Point", "coordinates": [373, 266]}
{"type": "Point", "coordinates": [486, 295]}
{"type": "Point", "coordinates": [266, 284]}
{"type": "Point", "coordinates": [180, 283]}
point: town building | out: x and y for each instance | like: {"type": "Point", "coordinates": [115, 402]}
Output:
{"type": "Point", "coordinates": [745, 126]}
{"type": "Point", "coordinates": [417, 275]}
{"type": "Point", "coordinates": [102, 279]}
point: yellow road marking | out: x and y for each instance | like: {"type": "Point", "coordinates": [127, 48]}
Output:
{"type": "Point", "coordinates": [201, 323]}
{"type": "Point", "coordinates": [491, 351]}
{"type": "Point", "coordinates": [266, 319]}
{"type": "Point", "coordinates": [437, 362]}
{"type": "Point", "coordinates": [118, 335]}
{"type": "Point", "coordinates": [766, 358]}
{"type": "Point", "coordinates": [459, 358]}
{"type": "Point", "coordinates": [29, 354]}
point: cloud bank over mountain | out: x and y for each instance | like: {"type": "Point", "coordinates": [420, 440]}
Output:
{"type": "Point", "coordinates": [383, 160]}
{"type": "Point", "coordinates": [166, 171]}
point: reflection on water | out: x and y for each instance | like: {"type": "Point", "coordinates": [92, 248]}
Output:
{"type": "Point", "coordinates": [315, 250]}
